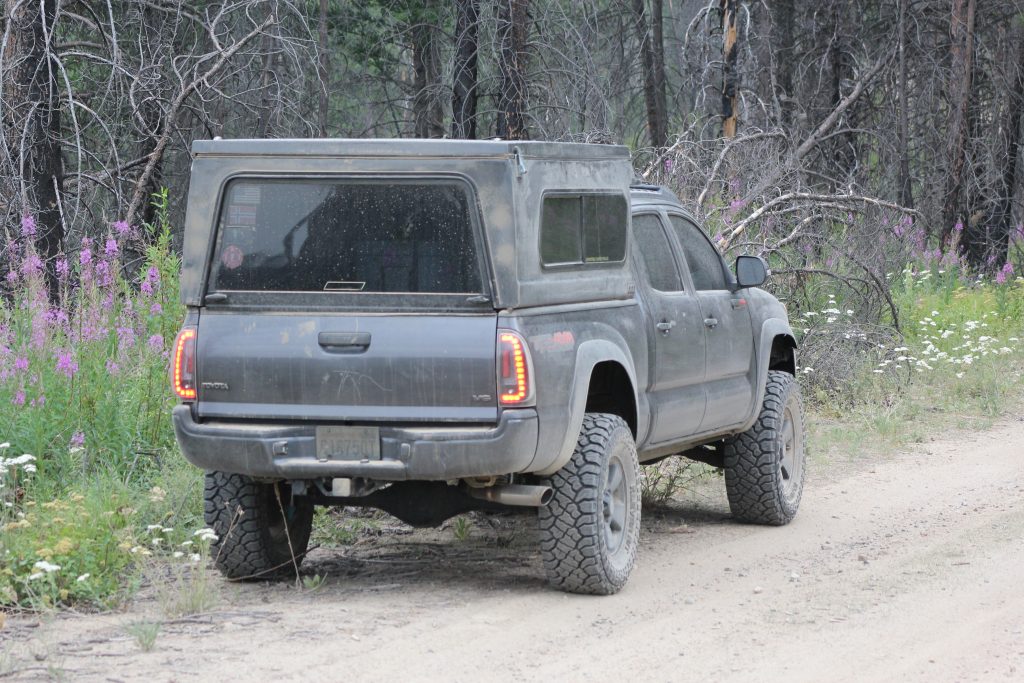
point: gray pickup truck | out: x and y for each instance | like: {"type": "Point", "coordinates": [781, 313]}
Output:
{"type": "Point", "coordinates": [432, 326]}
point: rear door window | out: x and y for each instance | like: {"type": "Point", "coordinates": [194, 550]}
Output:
{"type": "Point", "coordinates": [705, 263]}
{"type": "Point", "coordinates": [346, 235]}
{"type": "Point", "coordinates": [656, 253]}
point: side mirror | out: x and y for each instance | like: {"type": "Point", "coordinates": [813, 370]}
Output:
{"type": "Point", "coordinates": [751, 271]}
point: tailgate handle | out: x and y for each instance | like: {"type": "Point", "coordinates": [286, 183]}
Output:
{"type": "Point", "coordinates": [344, 341]}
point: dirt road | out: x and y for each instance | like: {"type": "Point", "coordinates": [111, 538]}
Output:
{"type": "Point", "coordinates": [907, 568]}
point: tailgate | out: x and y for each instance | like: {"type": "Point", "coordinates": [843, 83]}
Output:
{"type": "Point", "coordinates": [365, 368]}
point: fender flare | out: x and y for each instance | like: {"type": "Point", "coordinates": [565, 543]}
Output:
{"type": "Point", "coordinates": [588, 355]}
{"type": "Point", "coordinates": [770, 329]}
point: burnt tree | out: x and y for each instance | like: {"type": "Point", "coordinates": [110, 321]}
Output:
{"type": "Point", "coordinates": [464, 78]}
{"type": "Point", "coordinates": [652, 61]}
{"type": "Point", "coordinates": [961, 33]}
{"type": "Point", "coordinates": [512, 29]}
{"type": "Point", "coordinates": [32, 116]}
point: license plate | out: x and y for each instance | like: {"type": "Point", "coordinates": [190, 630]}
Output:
{"type": "Point", "coordinates": [348, 443]}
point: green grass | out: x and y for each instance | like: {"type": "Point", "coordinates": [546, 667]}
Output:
{"type": "Point", "coordinates": [963, 364]}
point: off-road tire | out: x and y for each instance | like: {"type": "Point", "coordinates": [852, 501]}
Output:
{"type": "Point", "coordinates": [253, 540]}
{"type": "Point", "coordinates": [581, 550]}
{"type": "Point", "coordinates": [765, 465]}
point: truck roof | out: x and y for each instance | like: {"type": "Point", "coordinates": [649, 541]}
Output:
{"type": "Point", "coordinates": [407, 148]}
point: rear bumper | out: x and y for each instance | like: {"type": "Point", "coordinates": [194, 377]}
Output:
{"type": "Point", "coordinates": [423, 453]}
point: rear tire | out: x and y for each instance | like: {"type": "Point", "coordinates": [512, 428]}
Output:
{"type": "Point", "coordinates": [254, 539]}
{"type": "Point", "coordinates": [590, 529]}
{"type": "Point", "coordinates": [765, 465]}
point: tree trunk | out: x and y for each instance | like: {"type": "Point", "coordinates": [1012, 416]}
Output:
{"type": "Point", "coordinates": [783, 21]}
{"type": "Point", "coordinates": [467, 30]}
{"type": "Point", "coordinates": [996, 236]}
{"type": "Point", "coordinates": [271, 82]}
{"type": "Point", "coordinates": [428, 114]}
{"type": "Point", "coordinates": [960, 85]}
{"type": "Point", "coordinates": [513, 16]}
{"type": "Point", "coordinates": [152, 117]}
{"type": "Point", "coordinates": [32, 116]}
{"type": "Point", "coordinates": [654, 87]}
{"type": "Point", "coordinates": [906, 197]}
{"type": "Point", "coordinates": [325, 71]}
{"type": "Point", "coordinates": [729, 53]}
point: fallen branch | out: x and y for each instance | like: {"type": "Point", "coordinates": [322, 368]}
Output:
{"type": "Point", "coordinates": [808, 196]}
{"type": "Point", "coordinates": [172, 116]}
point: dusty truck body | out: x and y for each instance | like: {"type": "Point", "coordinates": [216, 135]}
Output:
{"type": "Point", "coordinates": [429, 327]}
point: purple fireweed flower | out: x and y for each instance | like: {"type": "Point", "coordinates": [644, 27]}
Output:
{"type": "Point", "coordinates": [959, 227]}
{"type": "Point", "coordinates": [32, 265]}
{"type": "Point", "coordinates": [11, 277]}
{"type": "Point", "coordinates": [63, 268]}
{"type": "Point", "coordinates": [112, 368]}
{"type": "Point", "coordinates": [156, 309]}
{"type": "Point", "coordinates": [125, 336]}
{"type": "Point", "coordinates": [668, 165]}
{"type": "Point", "coordinates": [122, 227]}
{"type": "Point", "coordinates": [153, 275]}
{"type": "Point", "coordinates": [1004, 273]}
{"type": "Point", "coordinates": [156, 342]}
{"type": "Point", "coordinates": [21, 363]}
{"type": "Point", "coordinates": [85, 256]}
{"type": "Point", "coordinates": [146, 288]}
{"type": "Point", "coordinates": [28, 226]}
{"type": "Point", "coordinates": [56, 317]}
{"type": "Point", "coordinates": [110, 247]}
{"type": "Point", "coordinates": [78, 439]}
{"type": "Point", "coordinates": [19, 398]}
{"type": "Point", "coordinates": [66, 364]}
{"type": "Point", "coordinates": [38, 402]}
{"type": "Point", "coordinates": [38, 337]}
{"type": "Point", "coordinates": [103, 276]}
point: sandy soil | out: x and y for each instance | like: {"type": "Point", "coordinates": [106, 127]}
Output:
{"type": "Point", "coordinates": [904, 568]}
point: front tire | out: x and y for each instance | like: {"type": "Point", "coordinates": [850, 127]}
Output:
{"type": "Point", "coordinates": [765, 465]}
{"type": "Point", "coordinates": [254, 539]}
{"type": "Point", "coordinates": [590, 529]}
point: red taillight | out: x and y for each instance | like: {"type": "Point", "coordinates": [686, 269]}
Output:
{"type": "Point", "coordinates": [513, 370]}
{"type": "Point", "coordinates": [183, 365]}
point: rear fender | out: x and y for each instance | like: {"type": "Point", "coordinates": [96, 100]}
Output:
{"type": "Point", "coordinates": [588, 355]}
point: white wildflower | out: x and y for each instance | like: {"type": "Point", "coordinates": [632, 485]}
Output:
{"type": "Point", "coordinates": [45, 567]}
{"type": "Point", "coordinates": [177, 554]}
{"type": "Point", "coordinates": [82, 578]}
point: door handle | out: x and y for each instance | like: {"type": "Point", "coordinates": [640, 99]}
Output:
{"type": "Point", "coordinates": [666, 325]}
{"type": "Point", "coordinates": [711, 323]}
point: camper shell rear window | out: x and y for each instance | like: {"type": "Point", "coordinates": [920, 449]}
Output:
{"type": "Point", "coordinates": [346, 235]}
